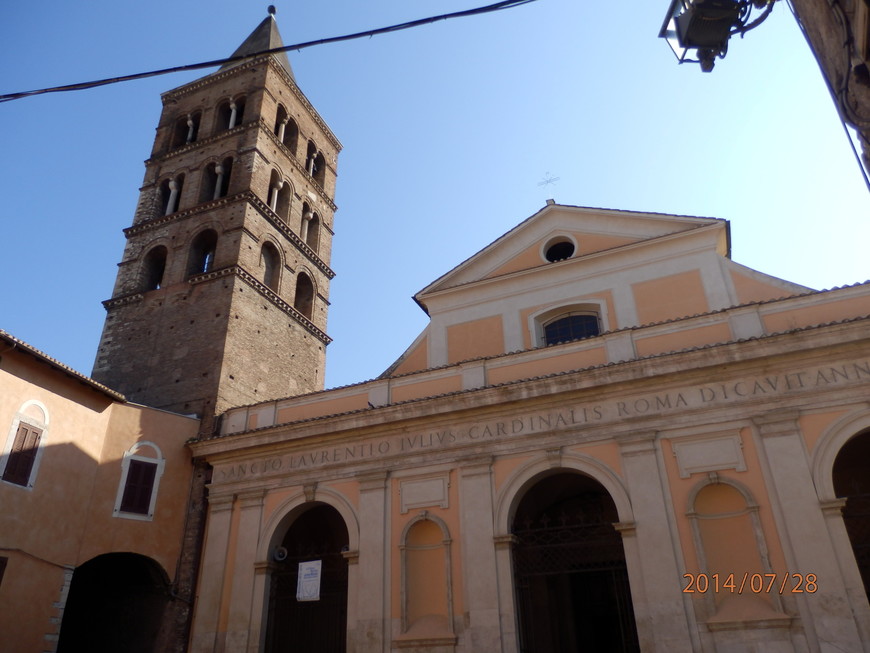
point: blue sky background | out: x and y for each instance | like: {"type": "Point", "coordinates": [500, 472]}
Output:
{"type": "Point", "coordinates": [448, 130]}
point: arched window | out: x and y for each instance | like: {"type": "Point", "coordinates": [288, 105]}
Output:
{"type": "Point", "coordinates": [311, 160]}
{"type": "Point", "coordinates": [572, 326]}
{"type": "Point", "coordinates": [170, 194]}
{"type": "Point", "coordinates": [216, 180]}
{"type": "Point", "coordinates": [304, 298]}
{"type": "Point", "coordinates": [319, 169]}
{"type": "Point", "coordinates": [24, 445]}
{"type": "Point", "coordinates": [286, 130]}
{"type": "Point", "coordinates": [153, 267]}
{"type": "Point", "coordinates": [280, 193]}
{"type": "Point", "coordinates": [230, 113]}
{"type": "Point", "coordinates": [312, 235]}
{"type": "Point", "coordinates": [271, 262]}
{"type": "Point", "coordinates": [141, 469]}
{"type": "Point", "coordinates": [202, 252]}
{"type": "Point", "coordinates": [186, 129]}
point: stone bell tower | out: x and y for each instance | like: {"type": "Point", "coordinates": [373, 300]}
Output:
{"type": "Point", "coordinates": [222, 294]}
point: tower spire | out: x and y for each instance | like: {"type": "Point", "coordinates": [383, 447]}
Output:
{"type": "Point", "coordinates": [264, 37]}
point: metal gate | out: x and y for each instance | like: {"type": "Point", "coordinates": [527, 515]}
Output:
{"type": "Point", "coordinates": [856, 516]}
{"type": "Point", "coordinates": [571, 580]}
{"type": "Point", "coordinates": [310, 626]}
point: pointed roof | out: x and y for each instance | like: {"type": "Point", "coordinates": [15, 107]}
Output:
{"type": "Point", "coordinates": [264, 37]}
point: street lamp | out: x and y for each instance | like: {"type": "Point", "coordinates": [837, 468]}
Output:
{"type": "Point", "coordinates": [706, 25]}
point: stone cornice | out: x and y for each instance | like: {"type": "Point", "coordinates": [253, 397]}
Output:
{"type": "Point", "coordinates": [197, 144]}
{"type": "Point", "coordinates": [266, 293]}
{"type": "Point", "coordinates": [304, 101]}
{"type": "Point", "coordinates": [169, 96]}
{"type": "Point", "coordinates": [253, 200]}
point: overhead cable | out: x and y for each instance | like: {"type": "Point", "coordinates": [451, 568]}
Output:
{"type": "Point", "coordinates": [498, 6]}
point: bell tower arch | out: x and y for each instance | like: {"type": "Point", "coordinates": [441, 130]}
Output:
{"type": "Point", "coordinates": [204, 314]}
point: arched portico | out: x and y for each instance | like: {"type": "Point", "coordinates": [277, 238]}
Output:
{"type": "Point", "coordinates": [277, 559]}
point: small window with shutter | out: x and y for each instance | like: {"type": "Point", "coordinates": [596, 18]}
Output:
{"type": "Point", "coordinates": [141, 470]}
{"type": "Point", "coordinates": [22, 456]}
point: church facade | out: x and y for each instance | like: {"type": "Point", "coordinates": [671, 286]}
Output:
{"type": "Point", "coordinates": [609, 437]}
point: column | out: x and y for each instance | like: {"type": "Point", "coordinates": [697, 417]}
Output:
{"type": "Point", "coordinates": [653, 572]}
{"type": "Point", "coordinates": [242, 589]}
{"type": "Point", "coordinates": [273, 203]}
{"type": "Point", "coordinates": [233, 114]}
{"type": "Point", "coordinates": [281, 128]}
{"type": "Point", "coordinates": [173, 196]}
{"type": "Point", "coordinates": [483, 630]}
{"type": "Point", "coordinates": [372, 633]}
{"type": "Point", "coordinates": [826, 614]}
{"type": "Point", "coordinates": [203, 638]}
{"type": "Point", "coordinates": [219, 181]}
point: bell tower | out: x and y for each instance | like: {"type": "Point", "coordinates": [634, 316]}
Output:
{"type": "Point", "coordinates": [221, 296]}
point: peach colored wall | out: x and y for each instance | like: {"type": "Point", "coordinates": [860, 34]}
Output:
{"type": "Point", "coordinates": [322, 407]}
{"type": "Point", "coordinates": [427, 388]}
{"type": "Point", "coordinates": [417, 359]}
{"type": "Point", "coordinates": [591, 243]}
{"type": "Point", "coordinates": [697, 337]}
{"type": "Point", "coordinates": [750, 289]}
{"type": "Point", "coordinates": [474, 339]}
{"type": "Point", "coordinates": [528, 258]}
{"type": "Point", "coordinates": [817, 314]}
{"type": "Point", "coordinates": [539, 367]}
{"type": "Point", "coordinates": [398, 521]}
{"type": "Point", "coordinates": [812, 426]}
{"type": "Point", "coordinates": [66, 518]}
{"type": "Point", "coordinates": [667, 298]}
{"type": "Point", "coordinates": [586, 244]}
{"type": "Point", "coordinates": [752, 479]}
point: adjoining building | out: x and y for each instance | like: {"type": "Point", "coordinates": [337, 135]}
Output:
{"type": "Point", "coordinates": [609, 436]}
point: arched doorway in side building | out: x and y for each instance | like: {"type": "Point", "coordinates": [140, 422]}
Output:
{"type": "Point", "coordinates": [570, 574]}
{"type": "Point", "coordinates": [852, 482]}
{"type": "Point", "coordinates": [116, 603]}
{"type": "Point", "coordinates": [312, 621]}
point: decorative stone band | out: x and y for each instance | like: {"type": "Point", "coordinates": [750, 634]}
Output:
{"type": "Point", "coordinates": [267, 293]}
{"type": "Point", "coordinates": [284, 228]}
{"type": "Point", "coordinates": [115, 302]}
{"type": "Point", "coordinates": [198, 143]}
{"type": "Point", "coordinates": [303, 100]}
{"type": "Point", "coordinates": [253, 200]}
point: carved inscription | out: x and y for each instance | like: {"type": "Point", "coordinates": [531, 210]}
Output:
{"type": "Point", "coordinates": [569, 418]}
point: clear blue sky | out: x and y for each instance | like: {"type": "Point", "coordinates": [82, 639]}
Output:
{"type": "Point", "coordinates": [447, 131]}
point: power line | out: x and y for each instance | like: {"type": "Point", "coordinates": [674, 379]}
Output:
{"type": "Point", "coordinates": [498, 6]}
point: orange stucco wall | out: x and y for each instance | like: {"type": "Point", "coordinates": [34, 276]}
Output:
{"type": "Point", "coordinates": [426, 388]}
{"type": "Point", "coordinates": [484, 337]}
{"type": "Point", "coordinates": [705, 335]}
{"type": "Point", "coordinates": [324, 406]}
{"type": "Point", "coordinates": [541, 366]}
{"type": "Point", "coordinates": [677, 295]}
{"type": "Point", "coordinates": [820, 313]}
{"type": "Point", "coordinates": [66, 518]}
{"type": "Point", "coordinates": [750, 289]}
{"type": "Point", "coordinates": [416, 359]}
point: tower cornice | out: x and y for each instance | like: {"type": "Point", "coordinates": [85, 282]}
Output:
{"type": "Point", "coordinates": [250, 198]}
{"type": "Point", "coordinates": [249, 279]}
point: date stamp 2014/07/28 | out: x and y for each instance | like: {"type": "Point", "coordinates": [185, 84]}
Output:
{"type": "Point", "coordinates": [788, 583]}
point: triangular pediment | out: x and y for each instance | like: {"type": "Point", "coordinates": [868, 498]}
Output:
{"type": "Point", "coordinates": [589, 231]}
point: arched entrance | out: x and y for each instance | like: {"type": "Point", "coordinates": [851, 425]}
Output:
{"type": "Point", "coordinates": [852, 481]}
{"type": "Point", "coordinates": [304, 626]}
{"type": "Point", "coordinates": [116, 603]}
{"type": "Point", "coordinates": [569, 569]}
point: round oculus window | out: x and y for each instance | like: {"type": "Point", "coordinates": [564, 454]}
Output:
{"type": "Point", "coordinates": [559, 250]}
